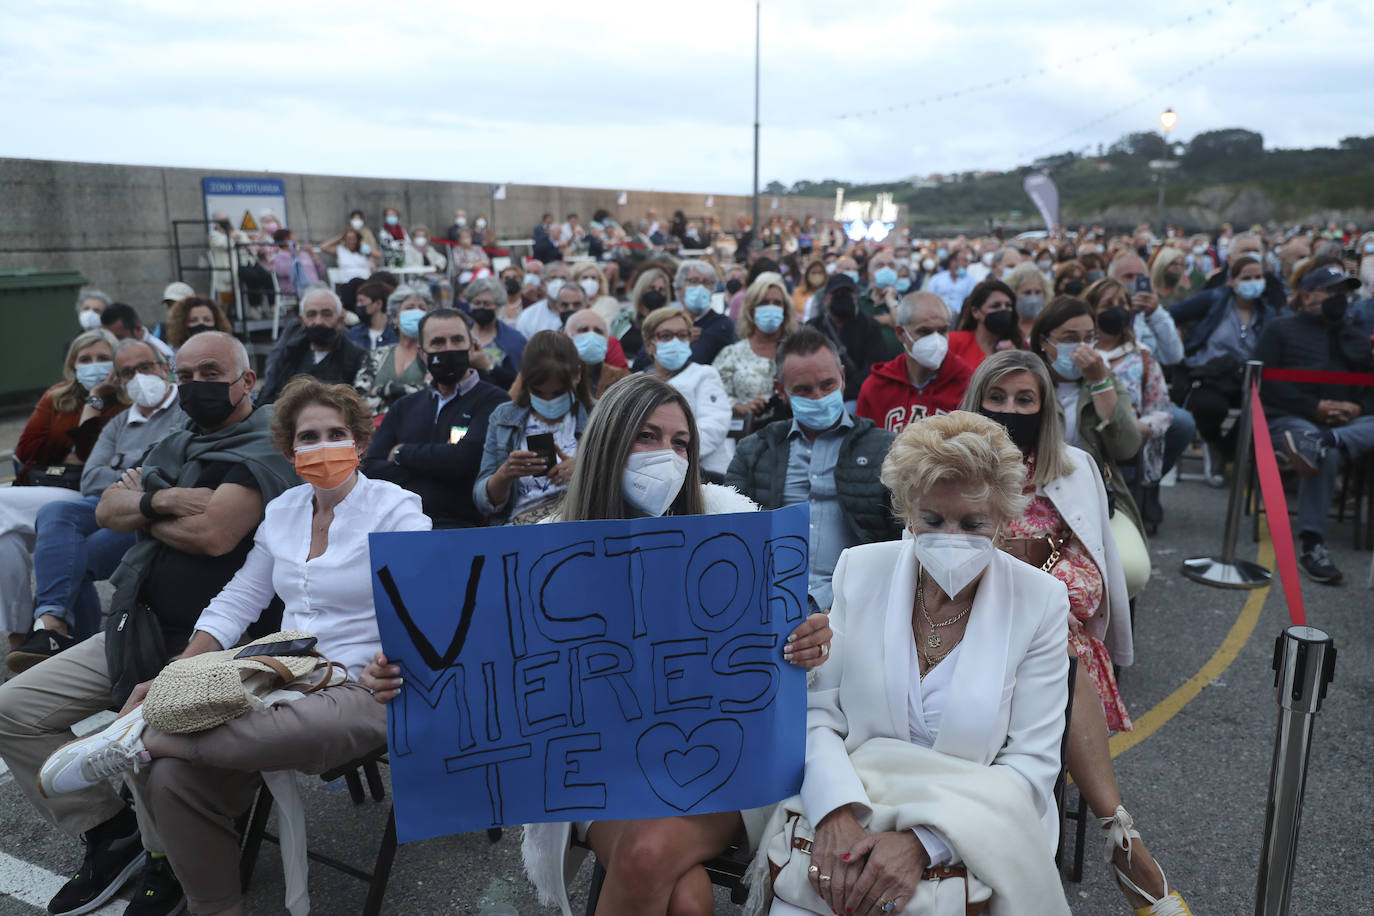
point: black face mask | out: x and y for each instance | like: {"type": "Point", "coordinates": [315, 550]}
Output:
{"type": "Point", "coordinates": [447, 366]}
{"type": "Point", "coordinates": [206, 403]}
{"type": "Point", "coordinates": [512, 286]}
{"type": "Point", "coordinates": [1073, 288]}
{"type": "Point", "coordinates": [564, 315]}
{"type": "Point", "coordinates": [1022, 428]}
{"type": "Point", "coordinates": [653, 299]}
{"type": "Point", "coordinates": [733, 285]}
{"type": "Point", "coordinates": [842, 304]}
{"type": "Point", "coordinates": [484, 316]}
{"type": "Point", "coordinates": [1001, 323]}
{"type": "Point", "coordinates": [1114, 321]}
{"type": "Point", "coordinates": [320, 336]}
{"type": "Point", "coordinates": [1333, 308]}
{"type": "Point", "coordinates": [193, 329]}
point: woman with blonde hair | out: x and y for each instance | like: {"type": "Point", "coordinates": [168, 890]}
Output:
{"type": "Point", "coordinates": [812, 282]}
{"type": "Point", "coordinates": [651, 287]}
{"type": "Point", "coordinates": [590, 277]}
{"type": "Point", "coordinates": [1033, 292]}
{"type": "Point", "coordinates": [1066, 530]}
{"type": "Point", "coordinates": [1169, 275]}
{"type": "Point", "coordinates": [933, 732]}
{"type": "Point", "coordinates": [747, 367]}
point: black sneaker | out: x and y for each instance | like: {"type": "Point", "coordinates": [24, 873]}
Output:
{"type": "Point", "coordinates": [114, 852]}
{"type": "Point", "coordinates": [1305, 453]}
{"type": "Point", "coordinates": [159, 894]}
{"type": "Point", "coordinates": [1316, 562]}
{"type": "Point", "coordinates": [41, 644]}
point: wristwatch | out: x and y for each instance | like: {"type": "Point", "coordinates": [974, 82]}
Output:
{"type": "Point", "coordinates": [97, 403]}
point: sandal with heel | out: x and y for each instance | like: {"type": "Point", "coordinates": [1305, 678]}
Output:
{"type": "Point", "coordinates": [1121, 832]}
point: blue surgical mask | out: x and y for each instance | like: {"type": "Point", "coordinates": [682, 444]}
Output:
{"type": "Point", "coordinates": [673, 355]}
{"type": "Point", "coordinates": [1250, 289]}
{"type": "Point", "coordinates": [852, 274]}
{"type": "Point", "coordinates": [392, 219]}
{"type": "Point", "coordinates": [903, 284]}
{"type": "Point", "coordinates": [819, 413]}
{"type": "Point", "coordinates": [92, 374]}
{"type": "Point", "coordinates": [768, 318]}
{"type": "Point", "coordinates": [1064, 365]}
{"type": "Point", "coordinates": [961, 272]}
{"type": "Point", "coordinates": [591, 346]}
{"type": "Point", "coordinates": [697, 299]}
{"type": "Point", "coordinates": [552, 408]}
{"type": "Point", "coordinates": [884, 277]}
{"type": "Point", "coordinates": [940, 253]}
{"type": "Point", "coordinates": [409, 320]}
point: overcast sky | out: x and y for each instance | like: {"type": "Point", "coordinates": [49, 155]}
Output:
{"type": "Point", "coordinates": [659, 95]}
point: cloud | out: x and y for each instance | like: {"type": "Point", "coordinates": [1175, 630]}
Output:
{"type": "Point", "coordinates": [627, 94]}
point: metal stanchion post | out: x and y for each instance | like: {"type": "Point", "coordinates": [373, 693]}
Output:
{"type": "Point", "coordinates": [1226, 571]}
{"type": "Point", "coordinates": [1305, 662]}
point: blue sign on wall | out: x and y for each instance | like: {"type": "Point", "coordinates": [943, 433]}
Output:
{"type": "Point", "coordinates": [244, 200]}
{"type": "Point", "coordinates": [592, 670]}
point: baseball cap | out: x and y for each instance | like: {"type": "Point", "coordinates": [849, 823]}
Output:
{"type": "Point", "coordinates": [1328, 276]}
{"type": "Point", "coordinates": [840, 281]}
{"type": "Point", "coordinates": [177, 291]}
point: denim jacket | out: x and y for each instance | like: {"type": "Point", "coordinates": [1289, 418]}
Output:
{"type": "Point", "coordinates": [505, 432]}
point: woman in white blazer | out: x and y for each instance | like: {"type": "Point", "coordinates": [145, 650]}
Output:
{"type": "Point", "coordinates": [1066, 530]}
{"type": "Point", "coordinates": [946, 690]}
{"type": "Point", "coordinates": [668, 339]}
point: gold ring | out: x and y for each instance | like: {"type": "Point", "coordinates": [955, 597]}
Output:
{"type": "Point", "coordinates": [814, 868]}
{"type": "Point", "coordinates": [824, 878]}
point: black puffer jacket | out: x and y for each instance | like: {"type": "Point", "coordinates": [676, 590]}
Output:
{"type": "Point", "coordinates": [759, 471]}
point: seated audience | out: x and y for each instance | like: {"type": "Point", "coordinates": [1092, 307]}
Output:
{"type": "Point", "coordinates": [123, 322]}
{"type": "Point", "coordinates": [1066, 529]}
{"type": "Point", "coordinates": [987, 323]}
{"type": "Point", "coordinates": [1318, 426]}
{"type": "Point", "coordinates": [650, 286]}
{"type": "Point", "coordinates": [393, 237]}
{"type": "Point", "coordinates": [198, 783]}
{"type": "Point", "coordinates": [62, 546]}
{"type": "Point", "coordinates": [747, 367]}
{"type": "Point", "coordinates": [171, 295]}
{"type": "Point", "coordinates": [196, 501]}
{"type": "Point", "coordinates": [356, 258]}
{"type": "Point", "coordinates": [316, 346]}
{"type": "Point", "coordinates": [591, 337]}
{"type": "Point", "coordinates": [431, 441]}
{"type": "Point", "coordinates": [855, 335]}
{"type": "Point", "coordinates": [191, 316]}
{"type": "Point", "coordinates": [954, 284]}
{"type": "Point", "coordinates": [518, 485]}
{"type": "Point", "coordinates": [420, 253]}
{"type": "Point", "coordinates": [513, 282]}
{"type": "Point", "coordinates": [667, 332]}
{"type": "Point", "coordinates": [926, 379]}
{"type": "Point", "coordinates": [391, 372]}
{"type": "Point", "coordinates": [968, 644]}
{"type": "Point", "coordinates": [500, 344]}
{"type": "Point", "coordinates": [468, 257]}
{"type": "Point", "coordinates": [295, 263]}
{"type": "Point", "coordinates": [712, 331]}
{"type": "Point", "coordinates": [592, 279]}
{"type": "Point", "coordinates": [824, 457]}
{"type": "Point", "coordinates": [375, 328]}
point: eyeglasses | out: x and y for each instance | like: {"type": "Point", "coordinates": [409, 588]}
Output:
{"type": "Point", "coordinates": [144, 368]}
{"type": "Point", "coordinates": [670, 336]}
{"type": "Point", "coordinates": [1070, 340]}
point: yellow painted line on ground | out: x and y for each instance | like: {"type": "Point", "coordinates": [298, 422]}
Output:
{"type": "Point", "coordinates": [1226, 653]}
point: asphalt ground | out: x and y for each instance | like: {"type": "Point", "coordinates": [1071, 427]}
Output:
{"type": "Point", "coordinates": [1196, 784]}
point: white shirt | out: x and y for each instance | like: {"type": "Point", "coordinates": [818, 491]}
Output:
{"type": "Point", "coordinates": [1067, 392]}
{"type": "Point", "coordinates": [352, 264]}
{"type": "Point", "coordinates": [329, 597]}
{"type": "Point", "coordinates": [925, 709]}
{"type": "Point", "coordinates": [538, 317]}
{"type": "Point", "coordinates": [953, 290]}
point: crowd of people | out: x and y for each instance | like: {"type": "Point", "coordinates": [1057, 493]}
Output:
{"type": "Point", "coordinates": [979, 426]}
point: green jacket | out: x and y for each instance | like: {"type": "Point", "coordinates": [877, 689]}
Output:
{"type": "Point", "coordinates": [1111, 443]}
{"type": "Point", "coordinates": [759, 471]}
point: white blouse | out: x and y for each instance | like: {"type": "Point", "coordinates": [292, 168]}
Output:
{"type": "Point", "coordinates": [329, 597]}
{"type": "Point", "coordinates": [925, 709]}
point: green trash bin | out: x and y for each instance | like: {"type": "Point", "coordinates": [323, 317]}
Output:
{"type": "Point", "coordinates": [38, 309]}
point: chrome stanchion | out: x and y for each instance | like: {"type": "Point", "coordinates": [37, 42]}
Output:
{"type": "Point", "coordinates": [1226, 571]}
{"type": "Point", "coordinates": [1305, 662]}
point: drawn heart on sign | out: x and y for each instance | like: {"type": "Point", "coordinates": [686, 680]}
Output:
{"type": "Point", "coordinates": [682, 769]}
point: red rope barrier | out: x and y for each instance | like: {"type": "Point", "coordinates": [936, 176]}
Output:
{"type": "Point", "coordinates": [1276, 505]}
{"type": "Point", "coordinates": [1314, 377]}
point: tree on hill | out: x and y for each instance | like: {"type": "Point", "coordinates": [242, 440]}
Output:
{"type": "Point", "coordinates": [1226, 148]}
{"type": "Point", "coordinates": [1143, 144]}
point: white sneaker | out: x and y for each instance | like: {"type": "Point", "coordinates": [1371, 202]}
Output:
{"type": "Point", "coordinates": [104, 755]}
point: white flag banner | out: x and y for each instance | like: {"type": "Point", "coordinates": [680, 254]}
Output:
{"type": "Point", "coordinates": [498, 192]}
{"type": "Point", "coordinates": [622, 199]}
{"type": "Point", "coordinates": [1045, 196]}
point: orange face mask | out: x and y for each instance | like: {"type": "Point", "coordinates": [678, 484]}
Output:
{"type": "Point", "coordinates": [328, 464]}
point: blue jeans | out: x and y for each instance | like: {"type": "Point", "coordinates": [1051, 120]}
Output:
{"type": "Point", "coordinates": [70, 554]}
{"type": "Point", "coordinates": [1178, 437]}
{"type": "Point", "coordinates": [1315, 493]}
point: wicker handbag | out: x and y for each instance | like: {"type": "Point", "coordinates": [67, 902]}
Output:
{"type": "Point", "coordinates": [203, 691]}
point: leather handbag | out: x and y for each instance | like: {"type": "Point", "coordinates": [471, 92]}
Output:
{"type": "Point", "coordinates": [67, 476]}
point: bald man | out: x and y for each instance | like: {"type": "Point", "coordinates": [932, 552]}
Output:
{"type": "Point", "coordinates": [926, 379]}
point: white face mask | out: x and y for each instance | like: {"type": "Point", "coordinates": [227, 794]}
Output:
{"type": "Point", "coordinates": [927, 264]}
{"type": "Point", "coordinates": [589, 286]}
{"type": "Point", "coordinates": [147, 390]}
{"type": "Point", "coordinates": [356, 223]}
{"type": "Point", "coordinates": [652, 480]}
{"type": "Point", "coordinates": [953, 560]}
{"type": "Point", "coordinates": [89, 319]}
{"type": "Point", "coordinates": [929, 351]}
{"type": "Point", "coordinates": [553, 286]}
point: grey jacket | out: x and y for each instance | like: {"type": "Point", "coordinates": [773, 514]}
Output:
{"type": "Point", "coordinates": [122, 445]}
{"type": "Point", "coordinates": [505, 432]}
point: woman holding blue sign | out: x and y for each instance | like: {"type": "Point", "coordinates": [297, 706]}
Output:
{"type": "Point", "coordinates": [933, 734]}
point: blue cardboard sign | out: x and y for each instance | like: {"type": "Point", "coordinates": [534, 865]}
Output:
{"type": "Point", "coordinates": [592, 670]}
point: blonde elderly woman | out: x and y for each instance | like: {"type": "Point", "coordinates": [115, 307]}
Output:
{"type": "Point", "coordinates": [933, 732]}
{"type": "Point", "coordinates": [588, 275]}
{"type": "Point", "coordinates": [1032, 291]}
{"type": "Point", "coordinates": [1066, 530]}
{"type": "Point", "coordinates": [747, 367]}
{"type": "Point", "coordinates": [667, 340]}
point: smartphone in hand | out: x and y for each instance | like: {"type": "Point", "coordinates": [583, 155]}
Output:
{"type": "Point", "coordinates": [542, 445]}
{"type": "Point", "coordinates": [1142, 284]}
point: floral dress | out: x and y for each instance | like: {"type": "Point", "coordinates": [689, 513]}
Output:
{"type": "Point", "coordinates": [1149, 399]}
{"type": "Point", "coordinates": [1083, 579]}
{"type": "Point", "coordinates": [745, 374]}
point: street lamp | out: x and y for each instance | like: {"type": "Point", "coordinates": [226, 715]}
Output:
{"type": "Point", "coordinates": [1167, 120]}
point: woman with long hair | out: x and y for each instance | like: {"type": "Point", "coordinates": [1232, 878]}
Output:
{"type": "Point", "coordinates": [191, 316]}
{"type": "Point", "coordinates": [987, 323]}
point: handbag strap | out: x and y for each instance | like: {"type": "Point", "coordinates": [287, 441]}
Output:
{"type": "Point", "coordinates": [281, 670]}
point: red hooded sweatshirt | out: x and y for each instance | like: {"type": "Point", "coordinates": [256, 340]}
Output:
{"type": "Point", "coordinates": [889, 399]}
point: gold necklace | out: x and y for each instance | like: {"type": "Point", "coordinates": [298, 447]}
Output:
{"type": "Point", "coordinates": [933, 640]}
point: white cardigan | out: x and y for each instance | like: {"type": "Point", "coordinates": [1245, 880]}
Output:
{"type": "Point", "coordinates": [1081, 499]}
{"type": "Point", "coordinates": [1006, 702]}
{"type": "Point", "coordinates": [703, 389]}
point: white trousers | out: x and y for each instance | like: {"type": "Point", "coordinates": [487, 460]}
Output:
{"type": "Point", "coordinates": [18, 511]}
